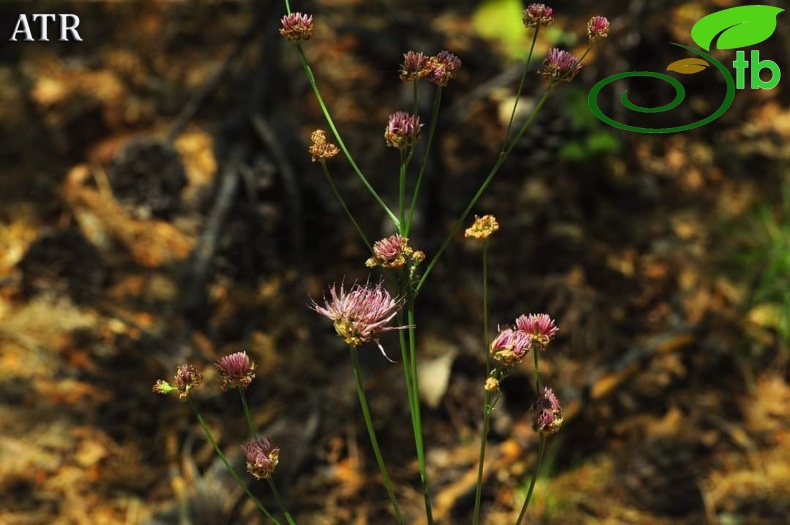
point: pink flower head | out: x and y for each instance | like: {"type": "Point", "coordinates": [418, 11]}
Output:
{"type": "Point", "coordinates": [403, 130]}
{"type": "Point", "coordinates": [559, 66]}
{"type": "Point", "coordinates": [540, 327]}
{"type": "Point", "coordinates": [442, 68]}
{"type": "Point", "coordinates": [597, 28]}
{"type": "Point", "coordinates": [262, 457]}
{"type": "Point", "coordinates": [187, 377]}
{"type": "Point", "coordinates": [546, 412]}
{"type": "Point", "coordinates": [510, 346]}
{"type": "Point", "coordinates": [297, 27]}
{"type": "Point", "coordinates": [394, 252]}
{"type": "Point", "coordinates": [414, 67]}
{"type": "Point", "coordinates": [236, 370]}
{"type": "Point", "coordinates": [538, 15]}
{"type": "Point", "coordinates": [360, 315]}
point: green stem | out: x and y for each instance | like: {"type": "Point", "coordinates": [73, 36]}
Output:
{"type": "Point", "coordinates": [279, 500]}
{"type": "Point", "coordinates": [520, 88]}
{"type": "Point", "coordinates": [413, 377]}
{"type": "Point", "coordinates": [228, 466]}
{"type": "Point", "coordinates": [247, 414]}
{"type": "Point", "coordinates": [313, 84]}
{"type": "Point", "coordinates": [254, 434]}
{"type": "Point", "coordinates": [404, 162]}
{"type": "Point", "coordinates": [437, 100]}
{"type": "Point", "coordinates": [494, 170]}
{"type": "Point", "coordinates": [343, 204]}
{"type": "Point", "coordinates": [487, 409]}
{"type": "Point", "coordinates": [363, 403]}
{"type": "Point", "coordinates": [410, 393]}
{"type": "Point", "coordinates": [534, 479]}
{"type": "Point", "coordinates": [536, 371]}
{"type": "Point", "coordinates": [485, 306]}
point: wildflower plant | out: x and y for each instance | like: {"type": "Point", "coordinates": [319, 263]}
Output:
{"type": "Point", "coordinates": [237, 371]}
{"type": "Point", "coordinates": [362, 314]}
{"type": "Point", "coordinates": [357, 322]}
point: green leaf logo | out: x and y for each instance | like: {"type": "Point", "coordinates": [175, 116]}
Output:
{"type": "Point", "coordinates": [736, 27]}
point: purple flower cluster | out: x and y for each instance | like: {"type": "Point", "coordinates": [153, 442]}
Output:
{"type": "Point", "coordinates": [403, 130]}
{"type": "Point", "coordinates": [439, 69]}
{"type": "Point", "coordinates": [511, 345]}
{"type": "Point", "coordinates": [559, 66]}
{"type": "Point", "coordinates": [546, 412]}
{"type": "Point", "coordinates": [236, 370]}
{"type": "Point", "coordinates": [262, 457]}
{"type": "Point", "coordinates": [538, 15]}
{"type": "Point", "coordinates": [360, 315]}
{"type": "Point", "coordinates": [187, 377]}
{"type": "Point", "coordinates": [297, 27]}
{"type": "Point", "coordinates": [540, 327]}
{"type": "Point", "coordinates": [394, 252]}
{"type": "Point", "coordinates": [597, 28]}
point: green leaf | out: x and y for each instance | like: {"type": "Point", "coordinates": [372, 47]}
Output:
{"type": "Point", "coordinates": [736, 27]}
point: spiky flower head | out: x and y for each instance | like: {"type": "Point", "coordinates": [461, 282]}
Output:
{"type": "Point", "coordinates": [403, 130]}
{"type": "Point", "coordinates": [262, 457]}
{"type": "Point", "coordinates": [236, 370]}
{"type": "Point", "coordinates": [442, 68]}
{"type": "Point", "coordinates": [415, 66]}
{"type": "Point", "coordinates": [321, 149]}
{"type": "Point", "coordinates": [394, 252]}
{"type": "Point", "coordinates": [297, 27]}
{"type": "Point", "coordinates": [482, 228]}
{"type": "Point", "coordinates": [540, 327]}
{"type": "Point", "coordinates": [538, 15]}
{"type": "Point", "coordinates": [597, 28]}
{"type": "Point", "coordinates": [546, 413]}
{"type": "Point", "coordinates": [360, 315]}
{"type": "Point", "coordinates": [559, 66]}
{"type": "Point", "coordinates": [187, 377]}
{"type": "Point", "coordinates": [510, 346]}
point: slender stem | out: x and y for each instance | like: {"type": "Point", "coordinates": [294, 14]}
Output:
{"type": "Point", "coordinates": [363, 403]}
{"type": "Point", "coordinates": [415, 97]}
{"type": "Point", "coordinates": [402, 189]}
{"type": "Point", "coordinates": [313, 84]}
{"type": "Point", "coordinates": [254, 434]}
{"type": "Point", "coordinates": [343, 204]}
{"type": "Point", "coordinates": [536, 371]}
{"type": "Point", "coordinates": [437, 100]}
{"type": "Point", "coordinates": [406, 360]}
{"type": "Point", "coordinates": [485, 306]}
{"type": "Point", "coordinates": [494, 170]}
{"type": "Point", "coordinates": [487, 409]}
{"type": "Point", "coordinates": [279, 500]}
{"type": "Point", "coordinates": [247, 414]}
{"type": "Point", "coordinates": [541, 450]}
{"type": "Point", "coordinates": [226, 462]}
{"type": "Point", "coordinates": [520, 88]}
{"type": "Point", "coordinates": [415, 409]}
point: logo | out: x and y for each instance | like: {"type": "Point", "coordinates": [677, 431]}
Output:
{"type": "Point", "coordinates": [65, 24]}
{"type": "Point", "coordinates": [732, 28]}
